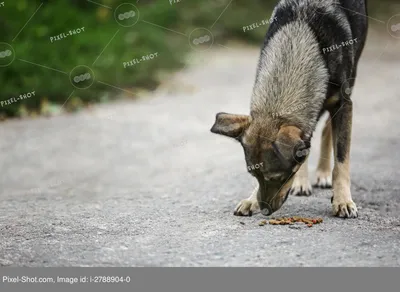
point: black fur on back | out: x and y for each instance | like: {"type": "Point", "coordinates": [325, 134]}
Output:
{"type": "Point", "coordinates": [343, 21]}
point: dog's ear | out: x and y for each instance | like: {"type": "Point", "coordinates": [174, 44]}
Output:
{"type": "Point", "coordinates": [290, 147]}
{"type": "Point", "coordinates": [230, 125]}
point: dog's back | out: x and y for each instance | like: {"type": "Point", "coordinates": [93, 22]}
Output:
{"type": "Point", "coordinates": [311, 48]}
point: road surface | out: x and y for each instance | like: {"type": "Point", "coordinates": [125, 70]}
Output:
{"type": "Point", "coordinates": [146, 184]}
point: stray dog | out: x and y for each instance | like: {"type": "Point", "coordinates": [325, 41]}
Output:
{"type": "Point", "coordinates": [307, 66]}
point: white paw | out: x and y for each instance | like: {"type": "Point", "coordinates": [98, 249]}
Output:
{"type": "Point", "coordinates": [300, 187]}
{"type": "Point", "coordinates": [246, 208]}
{"type": "Point", "coordinates": [344, 208]}
{"type": "Point", "coordinates": [324, 180]}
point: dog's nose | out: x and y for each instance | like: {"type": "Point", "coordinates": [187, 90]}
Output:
{"type": "Point", "coordinates": [266, 212]}
{"type": "Point", "coordinates": [265, 208]}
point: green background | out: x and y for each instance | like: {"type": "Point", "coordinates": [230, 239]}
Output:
{"type": "Point", "coordinates": [52, 88]}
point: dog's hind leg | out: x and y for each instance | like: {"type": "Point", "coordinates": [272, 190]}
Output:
{"type": "Point", "coordinates": [301, 185]}
{"type": "Point", "coordinates": [248, 206]}
{"type": "Point", "coordinates": [342, 202]}
{"type": "Point", "coordinates": [324, 172]}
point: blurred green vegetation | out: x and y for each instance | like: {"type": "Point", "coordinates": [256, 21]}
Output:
{"type": "Point", "coordinates": [44, 65]}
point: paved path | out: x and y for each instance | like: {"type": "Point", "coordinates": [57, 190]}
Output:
{"type": "Point", "coordinates": [145, 183]}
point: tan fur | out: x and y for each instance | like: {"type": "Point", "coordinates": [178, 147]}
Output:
{"type": "Point", "coordinates": [258, 135]}
{"type": "Point", "coordinates": [289, 137]}
{"type": "Point", "coordinates": [331, 102]}
{"type": "Point", "coordinates": [248, 206]}
{"type": "Point", "coordinates": [301, 185]}
{"type": "Point", "coordinates": [324, 173]}
{"type": "Point", "coordinates": [275, 201]}
{"type": "Point", "coordinates": [289, 134]}
{"type": "Point", "coordinates": [230, 125]}
{"type": "Point", "coordinates": [261, 141]}
{"type": "Point", "coordinates": [342, 202]}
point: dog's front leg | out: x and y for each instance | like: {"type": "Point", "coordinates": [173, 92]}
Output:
{"type": "Point", "coordinates": [342, 203]}
{"type": "Point", "coordinates": [301, 185]}
{"type": "Point", "coordinates": [248, 206]}
{"type": "Point", "coordinates": [324, 171]}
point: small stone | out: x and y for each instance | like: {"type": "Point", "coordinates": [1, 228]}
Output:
{"type": "Point", "coordinates": [4, 262]}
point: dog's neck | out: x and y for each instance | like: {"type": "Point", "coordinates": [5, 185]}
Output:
{"type": "Point", "coordinates": [292, 78]}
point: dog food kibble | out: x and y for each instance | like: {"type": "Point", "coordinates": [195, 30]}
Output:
{"type": "Point", "coordinates": [262, 223]}
{"type": "Point", "coordinates": [292, 220]}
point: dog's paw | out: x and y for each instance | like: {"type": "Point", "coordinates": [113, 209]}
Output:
{"type": "Point", "coordinates": [246, 208]}
{"type": "Point", "coordinates": [301, 187]}
{"type": "Point", "coordinates": [324, 180]}
{"type": "Point", "coordinates": [344, 209]}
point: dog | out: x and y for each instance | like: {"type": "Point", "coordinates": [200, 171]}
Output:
{"type": "Point", "coordinates": [307, 66]}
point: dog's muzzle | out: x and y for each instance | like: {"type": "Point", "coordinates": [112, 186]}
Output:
{"type": "Point", "coordinates": [272, 195]}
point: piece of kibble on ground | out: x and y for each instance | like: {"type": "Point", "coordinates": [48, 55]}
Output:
{"type": "Point", "coordinates": [293, 220]}
{"type": "Point", "coordinates": [262, 223]}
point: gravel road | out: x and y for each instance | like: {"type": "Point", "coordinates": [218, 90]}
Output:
{"type": "Point", "coordinates": [145, 183]}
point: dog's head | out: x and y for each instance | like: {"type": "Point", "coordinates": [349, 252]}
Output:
{"type": "Point", "coordinates": [273, 151]}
